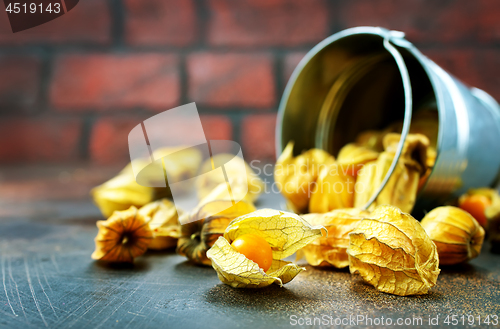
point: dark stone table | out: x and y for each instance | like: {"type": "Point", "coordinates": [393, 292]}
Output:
{"type": "Point", "coordinates": [49, 280]}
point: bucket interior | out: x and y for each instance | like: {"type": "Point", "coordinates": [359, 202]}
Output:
{"type": "Point", "coordinates": [351, 86]}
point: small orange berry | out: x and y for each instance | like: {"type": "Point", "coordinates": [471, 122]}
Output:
{"type": "Point", "coordinates": [255, 248]}
{"type": "Point", "coordinates": [476, 205]}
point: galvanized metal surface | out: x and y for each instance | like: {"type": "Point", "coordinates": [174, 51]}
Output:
{"type": "Point", "coordinates": [468, 153]}
{"type": "Point", "coordinates": [49, 280]}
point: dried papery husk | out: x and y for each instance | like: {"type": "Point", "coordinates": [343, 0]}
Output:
{"type": "Point", "coordinates": [164, 222]}
{"type": "Point", "coordinates": [400, 190]}
{"type": "Point", "coordinates": [238, 271]}
{"type": "Point", "coordinates": [431, 157]}
{"type": "Point", "coordinates": [332, 250]}
{"type": "Point", "coordinates": [237, 192]}
{"type": "Point", "coordinates": [414, 152]}
{"type": "Point", "coordinates": [431, 160]}
{"type": "Point", "coordinates": [285, 232]}
{"type": "Point", "coordinates": [392, 252]}
{"type": "Point", "coordinates": [196, 237]}
{"type": "Point", "coordinates": [122, 237]}
{"type": "Point", "coordinates": [371, 139]}
{"type": "Point", "coordinates": [491, 212]}
{"type": "Point", "coordinates": [334, 189]}
{"type": "Point", "coordinates": [457, 235]}
{"type": "Point", "coordinates": [426, 122]}
{"type": "Point", "coordinates": [233, 165]}
{"type": "Point", "coordinates": [402, 187]}
{"type": "Point", "coordinates": [352, 157]}
{"type": "Point", "coordinates": [122, 191]}
{"type": "Point", "coordinates": [296, 176]}
{"type": "Point", "coordinates": [181, 162]}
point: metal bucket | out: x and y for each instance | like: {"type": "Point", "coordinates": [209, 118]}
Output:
{"type": "Point", "coordinates": [364, 78]}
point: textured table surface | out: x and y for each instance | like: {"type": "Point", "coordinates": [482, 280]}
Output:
{"type": "Point", "coordinates": [49, 280]}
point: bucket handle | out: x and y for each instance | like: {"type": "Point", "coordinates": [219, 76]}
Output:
{"type": "Point", "coordinates": [398, 38]}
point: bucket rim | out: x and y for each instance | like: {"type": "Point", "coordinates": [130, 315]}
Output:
{"type": "Point", "coordinates": [395, 37]}
{"type": "Point", "coordinates": [379, 31]}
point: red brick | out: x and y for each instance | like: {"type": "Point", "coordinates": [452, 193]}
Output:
{"type": "Point", "coordinates": [226, 80]}
{"type": "Point", "coordinates": [89, 22]}
{"type": "Point", "coordinates": [291, 62]}
{"type": "Point", "coordinates": [478, 68]}
{"type": "Point", "coordinates": [267, 22]}
{"type": "Point", "coordinates": [19, 83]}
{"type": "Point", "coordinates": [109, 139]}
{"type": "Point", "coordinates": [426, 20]}
{"type": "Point", "coordinates": [488, 27]}
{"type": "Point", "coordinates": [258, 132]}
{"type": "Point", "coordinates": [217, 127]}
{"type": "Point", "coordinates": [160, 22]}
{"type": "Point", "coordinates": [39, 140]}
{"type": "Point", "coordinates": [115, 81]}
{"type": "Point", "coordinates": [109, 136]}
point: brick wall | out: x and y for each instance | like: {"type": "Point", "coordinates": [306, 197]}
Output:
{"type": "Point", "coordinates": [71, 89]}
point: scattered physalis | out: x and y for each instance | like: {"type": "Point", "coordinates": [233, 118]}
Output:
{"type": "Point", "coordinates": [402, 187]}
{"type": "Point", "coordinates": [284, 232]}
{"type": "Point", "coordinates": [164, 222]}
{"type": "Point", "coordinates": [476, 204]}
{"type": "Point", "coordinates": [457, 235]}
{"type": "Point", "coordinates": [392, 252]}
{"type": "Point", "coordinates": [122, 237]}
{"type": "Point", "coordinates": [197, 236]}
{"type": "Point", "coordinates": [296, 176]}
{"type": "Point", "coordinates": [121, 192]}
{"type": "Point", "coordinates": [425, 122]}
{"type": "Point", "coordinates": [220, 192]}
{"type": "Point", "coordinates": [483, 204]}
{"type": "Point", "coordinates": [235, 170]}
{"type": "Point", "coordinates": [332, 249]}
{"type": "Point", "coordinates": [180, 162]}
{"type": "Point", "coordinates": [352, 157]}
{"type": "Point", "coordinates": [372, 139]}
{"type": "Point", "coordinates": [334, 189]}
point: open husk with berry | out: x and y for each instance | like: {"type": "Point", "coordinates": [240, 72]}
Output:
{"type": "Point", "coordinates": [284, 232]}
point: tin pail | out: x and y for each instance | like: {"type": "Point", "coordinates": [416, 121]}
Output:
{"type": "Point", "coordinates": [364, 78]}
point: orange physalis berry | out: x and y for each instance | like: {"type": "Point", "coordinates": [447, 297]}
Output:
{"type": "Point", "coordinates": [254, 248]}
